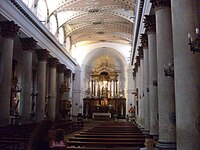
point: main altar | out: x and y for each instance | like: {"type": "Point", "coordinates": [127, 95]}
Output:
{"type": "Point", "coordinates": [104, 96]}
{"type": "Point", "coordinates": [116, 107]}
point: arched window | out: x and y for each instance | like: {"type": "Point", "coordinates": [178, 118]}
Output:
{"type": "Point", "coordinates": [68, 43]}
{"type": "Point", "coordinates": [61, 35]}
{"type": "Point", "coordinates": [29, 3]}
{"type": "Point", "coordinates": [53, 25]}
{"type": "Point", "coordinates": [41, 11]}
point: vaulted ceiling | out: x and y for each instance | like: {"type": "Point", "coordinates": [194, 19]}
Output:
{"type": "Point", "coordinates": [94, 21]}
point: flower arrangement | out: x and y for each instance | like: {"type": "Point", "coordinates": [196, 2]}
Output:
{"type": "Point", "coordinates": [131, 110]}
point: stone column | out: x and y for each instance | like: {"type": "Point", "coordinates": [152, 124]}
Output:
{"type": "Point", "coordinates": [60, 68]}
{"type": "Point", "coordinates": [42, 55]}
{"type": "Point", "coordinates": [141, 90]}
{"type": "Point", "coordinates": [116, 88]}
{"type": "Point", "coordinates": [28, 45]}
{"type": "Point", "coordinates": [166, 98]}
{"type": "Point", "coordinates": [144, 42]}
{"type": "Point", "coordinates": [95, 87]}
{"type": "Point", "coordinates": [8, 30]}
{"type": "Point", "coordinates": [187, 75]}
{"type": "Point", "coordinates": [150, 26]}
{"type": "Point", "coordinates": [92, 87]}
{"type": "Point", "coordinates": [134, 87]}
{"type": "Point", "coordinates": [52, 88]}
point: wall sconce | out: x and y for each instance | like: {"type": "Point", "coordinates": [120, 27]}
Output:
{"type": "Point", "coordinates": [136, 92]}
{"type": "Point", "coordinates": [169, 70]}
{"type": "Point", "coordinates": [155, 82]}
{"type": "Point", "coordinates": [194, 45]}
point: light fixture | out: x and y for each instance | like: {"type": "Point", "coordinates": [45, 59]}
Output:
{"type": "Point", "coordinates": [194, 44]}
{"type": "Point", "coordinates": [155, 82]}
{"type": "Point", "coordinates": [169, 70]}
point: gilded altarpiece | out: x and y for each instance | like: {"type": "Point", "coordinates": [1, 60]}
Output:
{"type": "Point", "coordinates": [104, 95]}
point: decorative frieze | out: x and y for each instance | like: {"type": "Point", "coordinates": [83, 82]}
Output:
{"type": "Point", "coordinates": [160, 3]}
{"type": "Point", "coordinates": [150, 23]}
{"type": "Point", "coordinates": [28, 44]}
{"type": "Point", "coordinates": [53, 62]}
{"type": "Point", "coordinates": [42, 54]}
{"type": "Point", "coordinates": [144, 40]}
{"type": "Point", "coordinates": [9, 29]}
{"type": "Point", "coordinates": [61, 68]}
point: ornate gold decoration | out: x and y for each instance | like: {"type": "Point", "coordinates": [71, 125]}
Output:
{"type": "Point", "coordinates": [104, 61]}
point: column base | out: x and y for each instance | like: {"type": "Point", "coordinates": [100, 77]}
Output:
{"type": "Point", "coordinates": [154, 136]}
{"type": "Point", "coordinates": [141, 128]}
{"type": "Point", "coordinates": [166, 145]}
{"type": "Point", "coordinates": [146, 132]}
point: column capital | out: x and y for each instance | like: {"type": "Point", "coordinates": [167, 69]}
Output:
{"type": "Point", "coordinates": [53, 62]}
{"type": "Point", "coordinates": [42, 54]}
{"type": "Point", "coordinates": [137, 61]}
{"type": "Point", "coordinates": [136, 68]}
{"type": "Point", "coordinates": [160, 3]}
{"type": "Point", "coordinates": [150, 23]}
{"type": "Point", "coordinates": [67, 73]}
{"type": "Point", "coordinates": [140, 51]}
{"type": "Point", "coordinates": [28, 44]}
{"type": "Point", "coordinates": [61, 68]}
{"type": "Point", "coordinates": [134, 72]}
{"type": "Point", "coordinates": [144, 40]}
{"type": "Point", "coordinates": [9, 29]}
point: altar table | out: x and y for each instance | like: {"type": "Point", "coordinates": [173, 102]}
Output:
{"type": "Point", "coordinates": [101, 116]}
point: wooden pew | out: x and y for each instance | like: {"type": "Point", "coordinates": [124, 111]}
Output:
{"type": "Point", "coordinates": [96, 148]}
{"type": "Point", "coordinates": [110, 135]}
{"type": "Point", "coordinates": [101, 148]}
{"type": "Point", "coordinates": [110, 139]}
{"type": "Point", "coordinates": [106, 144]}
